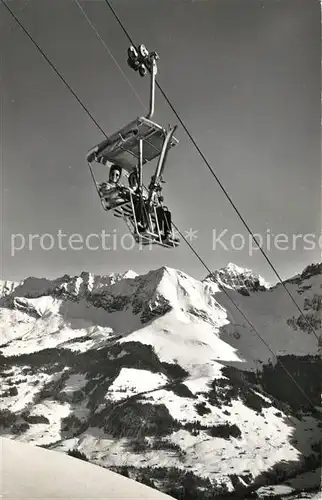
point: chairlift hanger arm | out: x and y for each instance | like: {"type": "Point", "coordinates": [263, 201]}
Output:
{"type": "Point", "coordinates": [123, 147]}
{"type": "Point", "coordinates": [140, 59]}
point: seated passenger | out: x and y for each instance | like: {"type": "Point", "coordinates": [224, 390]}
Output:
{"type": "Point", "coordinates": [134, 184]}
{"type": "Point", "coordinates": [138, 202]}
{"type": "Point", "coordinates": [113, 180]}
{"type": "Point", "coordinates": [112, 193]}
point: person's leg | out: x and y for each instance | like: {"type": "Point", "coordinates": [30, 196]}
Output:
{"type": "Point", "coordinates": [140, 215]}
{"type": "Point", "coordinates": [167, 223]}
{"type": "Point", "coordinates": [169, 236]}
{"type": "Point", "coordinates": [161, 221]}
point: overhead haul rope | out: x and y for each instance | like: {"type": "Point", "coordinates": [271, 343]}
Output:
{"type": "Point", "coordinates": [217, 179]}
{"type": "Point", "coordinates": [194, 251]}
{"type": "Point", "coordinates": [109, 52]}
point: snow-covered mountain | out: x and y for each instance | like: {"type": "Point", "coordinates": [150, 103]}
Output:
{"type": "Point", "coordinates": [236, 277]}
{"type": "Point", "coordinates": [160, 377]}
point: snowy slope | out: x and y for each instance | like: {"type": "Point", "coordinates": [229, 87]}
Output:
{"type": "Point", "coordinates": [160, 372]}
{"type": "Point", "coordinates": [274, 316]}
{"type": "Point", "coordinates": [29, 473]}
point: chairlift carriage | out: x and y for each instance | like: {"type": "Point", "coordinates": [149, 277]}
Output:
{"type": "Point", "coordinates": [131, 148]}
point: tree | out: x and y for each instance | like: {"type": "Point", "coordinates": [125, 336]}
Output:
{"type": "Point", "coordinates": [189, 486]}
{"type": "Point", "coordinates": [77, 454]}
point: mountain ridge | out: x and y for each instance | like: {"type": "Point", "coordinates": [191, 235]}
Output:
{"type": "Point", "coordinates": [148, 374]}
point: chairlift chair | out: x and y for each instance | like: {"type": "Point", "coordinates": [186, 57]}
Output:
{"type": "Point", "coordinates": [132, 147]}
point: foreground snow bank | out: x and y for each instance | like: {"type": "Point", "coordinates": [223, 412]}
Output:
{"type": "Point", "coordinates": [31, 472]}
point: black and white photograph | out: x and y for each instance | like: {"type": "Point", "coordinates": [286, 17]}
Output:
{"type": "Point", "coordinates": [161, 249]}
